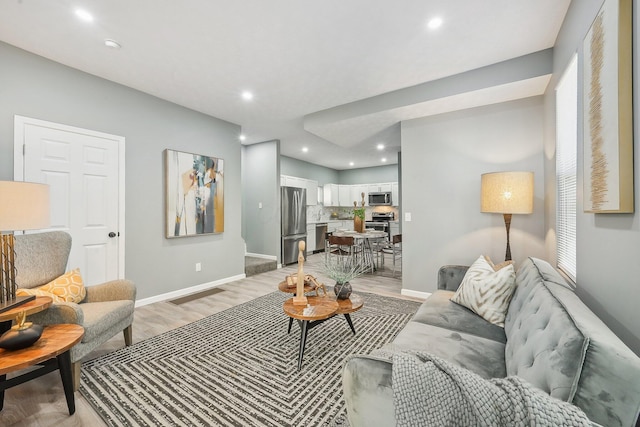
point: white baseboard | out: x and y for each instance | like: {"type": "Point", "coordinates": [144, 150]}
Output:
{"type": "Point", "coordinates": [279, 266]}
{"type": "Point", "coordinates": [270, 257]}
{"type": "Point", "coordinates": [188, 291]}
{"type": "Point", "coordinates": [415, 294]}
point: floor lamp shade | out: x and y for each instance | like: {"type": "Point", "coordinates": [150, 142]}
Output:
{"type": "Point", "coordinates": [23, 206]}
{"type": "Point", "coordinates": [507, 193]}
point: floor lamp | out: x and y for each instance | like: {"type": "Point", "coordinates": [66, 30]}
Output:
{"type": "Point", "coordinates": [507, 193]}
{"type": "Point", "coordinates": [23, 206]}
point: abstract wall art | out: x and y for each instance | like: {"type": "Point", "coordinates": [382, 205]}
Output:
{"type": "Point", "coordinates": [194, 194]}
{"type": "Point", "coordinates": [608, 111]}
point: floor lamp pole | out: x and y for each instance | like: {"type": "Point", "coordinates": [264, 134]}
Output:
{"type": "Point", "coordinates": [507, 224]}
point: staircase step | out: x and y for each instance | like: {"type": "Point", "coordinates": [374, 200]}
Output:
{"type": "Point", "coordinates": [254, 265]}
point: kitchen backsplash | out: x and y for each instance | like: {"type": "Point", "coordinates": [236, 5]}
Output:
{"type": "Point", "coordinates": [321, 213]}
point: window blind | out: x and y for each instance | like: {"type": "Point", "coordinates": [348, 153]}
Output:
{"type": "Point", "coordinates": [566, 166]}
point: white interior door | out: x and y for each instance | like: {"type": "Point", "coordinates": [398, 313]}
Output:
{"type": "Point", "coordinates": [85, 172]}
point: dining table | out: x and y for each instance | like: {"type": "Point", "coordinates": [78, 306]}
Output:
{"type": "Point", "coordinates": [368, 240]}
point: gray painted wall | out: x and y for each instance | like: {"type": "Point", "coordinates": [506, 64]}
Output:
{"type": "Point", "coordinates": [324, 175]}
{"type": "Point", "coordinates": [35, 87]}
{"type": "Point", "coordinates": [387, 173]}
{"type": "Point", "coordinates": [608, 245]}
{"type": "Point", "coordinates": [442, 159]}
{"type": "Point", "coordinates": [261, 184]}
{"type": "Point", "coordinates": [301, 169]}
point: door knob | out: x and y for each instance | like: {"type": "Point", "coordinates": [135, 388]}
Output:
{"type": "Point", "coordinates": [112, 234]}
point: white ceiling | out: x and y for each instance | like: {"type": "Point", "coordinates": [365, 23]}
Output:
{"type": "Point", "coordinates": [298, 57]}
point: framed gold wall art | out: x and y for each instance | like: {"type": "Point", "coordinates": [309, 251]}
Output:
{"type": "Point", "coordinates": [194, 194]}
{"type": "Point", "coordinates": [608, 111]}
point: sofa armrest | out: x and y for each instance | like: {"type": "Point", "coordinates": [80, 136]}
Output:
{"type": "Point", "coordinates": [57, 313]}
{"type": "Point", "coordinates": [450, 276]}
{"type": "Point", "coordinates": [114, 290]}
{"type": "Point", "coordinates": [366, 381]}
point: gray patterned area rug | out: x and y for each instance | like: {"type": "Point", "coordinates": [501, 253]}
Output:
{"type": "Point", "coordinates": [239, 368]}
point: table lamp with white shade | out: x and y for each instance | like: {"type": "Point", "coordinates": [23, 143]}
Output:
{"type": "Point", "coordinates": [507, 193]}
{"type": "Point", "coordinates": [23, 206]}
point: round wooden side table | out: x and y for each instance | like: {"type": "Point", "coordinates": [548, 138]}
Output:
{"type": "Point", "coordinates": [51, 352]}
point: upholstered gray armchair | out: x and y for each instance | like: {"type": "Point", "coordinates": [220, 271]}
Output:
{"type": "Point", "coordinates": [106, 310]}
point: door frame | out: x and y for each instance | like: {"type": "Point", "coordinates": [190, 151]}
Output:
{"type": "Point", "coordinates": [19, 124]}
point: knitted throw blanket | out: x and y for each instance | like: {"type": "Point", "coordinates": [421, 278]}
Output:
{"type": "Point", "coordinates": [429, 391]}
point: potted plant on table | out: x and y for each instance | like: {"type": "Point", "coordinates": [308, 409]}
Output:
{"type": "Point", "coordinates": [342, 270]}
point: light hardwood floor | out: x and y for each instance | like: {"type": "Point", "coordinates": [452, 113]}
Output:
{"type": "Point", "coordinates": [41, 402]}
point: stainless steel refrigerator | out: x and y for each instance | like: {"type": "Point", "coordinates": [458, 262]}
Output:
{"type": "Point", "coordinates": [293, 223]}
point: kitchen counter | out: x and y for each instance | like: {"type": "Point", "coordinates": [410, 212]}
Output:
{"type": "Point", "coordinates": [323, 221]}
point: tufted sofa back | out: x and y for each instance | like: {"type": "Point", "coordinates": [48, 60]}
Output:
{"type": "Point", "coordinates": [556, 343]}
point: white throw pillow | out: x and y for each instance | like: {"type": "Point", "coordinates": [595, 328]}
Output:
{"type": "Point", "coordinates": [487, 290]}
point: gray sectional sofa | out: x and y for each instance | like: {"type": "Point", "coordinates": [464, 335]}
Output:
{"type": "Point", "coordinates": [550, 339]}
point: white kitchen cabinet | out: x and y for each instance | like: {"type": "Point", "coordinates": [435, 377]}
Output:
{"type": "Point", "coordinates": [344, 196]}
{"type": "Point", "coordinates": [292, 181]}
{"type": "Point", "coordinates": [331, 195]}
{"type": "Point", "coordinates": [395, 194]}
{"type": "Point", "coordinates": [385, 187]}
{"type": "Point", "coordinates": [312, 192]}
{"type": "Point", "coordinates": [380, 187]}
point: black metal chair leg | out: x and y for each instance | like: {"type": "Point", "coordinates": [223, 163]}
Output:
{"type": "Point", "coordinates": [290, 323]}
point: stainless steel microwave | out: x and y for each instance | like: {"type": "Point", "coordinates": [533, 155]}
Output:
{"type": "Point", "coordinates": [380, 199]}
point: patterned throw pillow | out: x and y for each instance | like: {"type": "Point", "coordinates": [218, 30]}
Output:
{"type": "Point", "coordinates": [22, 292]}
{"type": "Point", "coordinates": [66, 288]}
{"type": "Point", "coordinates": [487, 289]}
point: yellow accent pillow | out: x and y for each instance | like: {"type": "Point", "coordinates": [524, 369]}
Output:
{"type": "Point", "coordinates": [23, 292]}
{"type": "Point", "coordinates": [68, 287]}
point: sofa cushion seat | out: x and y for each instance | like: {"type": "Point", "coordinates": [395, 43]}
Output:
{"type": "Point", "coordinates": [101, 316]}
{"type": "Point", "coordinates": [483, 356]}
{"type": "Point", "coordinates": [439, 311]}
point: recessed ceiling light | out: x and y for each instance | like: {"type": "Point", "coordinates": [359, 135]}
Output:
{"type": "Point", "coordinates": [351, 163]}
{"type": "Point", "coordinates": [305, 149]}
{"type": "Point", "coordinates": [380, 147]}
{"type": "Point", "coordinates": [247, 96]}
{"type": "Point", "coordinates": [384, 160]}
{"type": "Point", "coordinates": [434, 23]}
{"type": "Point", "coordinates": [112, 44]}
{"type": "Point", "coordinates": [242, 137]}
{"type": "Point", "coordinates": [84, 15]}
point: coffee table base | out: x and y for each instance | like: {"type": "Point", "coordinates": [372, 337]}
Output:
{"type": "Point", "coordinates": [306, 326]}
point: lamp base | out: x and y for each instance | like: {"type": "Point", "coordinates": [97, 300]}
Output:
{"type": "Point", "coordinates": [507, 224]}
{"type": "Point", "coordinates": [17, 301]}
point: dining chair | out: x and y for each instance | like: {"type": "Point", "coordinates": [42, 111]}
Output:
{"type": "Point", "coordinates": [394, 248]}
{"type": "Point", "coordinates": [341, 246]}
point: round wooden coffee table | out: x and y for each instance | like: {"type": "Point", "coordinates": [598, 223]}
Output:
{"type": "Point", "coordinates": [317, 311]}
{"type": "Point", "coordinates": [51, 352]}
